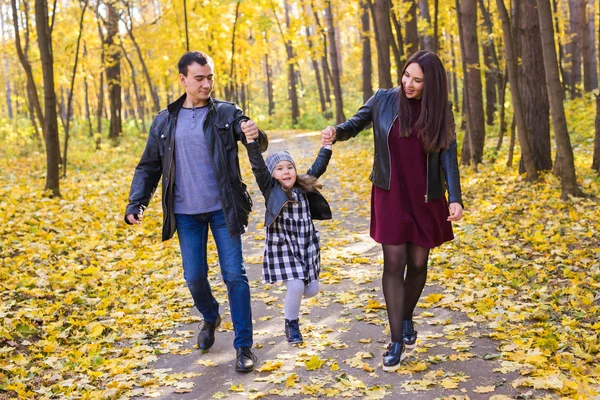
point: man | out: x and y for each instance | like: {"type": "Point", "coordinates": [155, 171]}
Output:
{"type": "Point", "coordinates": [193, 145]}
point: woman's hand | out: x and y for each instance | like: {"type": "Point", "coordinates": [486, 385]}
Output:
{"type": "Point", "coordinates": [327, 136]}
{"type": "Point", "coordinates": [456, 212]}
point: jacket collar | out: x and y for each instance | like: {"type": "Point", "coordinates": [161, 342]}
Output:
{"type": "Point", "coordinates": [175, 106]}
{"type": "Point", "coordinates": [395, 92]}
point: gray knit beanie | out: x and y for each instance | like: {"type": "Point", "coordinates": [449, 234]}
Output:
{"type": "Point", "coordinates": [274, 159]}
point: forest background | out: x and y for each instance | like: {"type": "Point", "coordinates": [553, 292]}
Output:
{"type": "Point", "coordinates": [82, 80]}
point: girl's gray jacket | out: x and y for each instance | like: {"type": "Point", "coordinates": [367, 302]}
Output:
{"type": "Point", "coordinates": [276, 197]}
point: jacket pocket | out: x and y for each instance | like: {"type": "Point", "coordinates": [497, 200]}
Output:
{"type": "Point", "coordinates": [162, 143]}
{"type": "Point", "coordinates": [242, 199]}
{"type": "Point", "coordinates": [224, 131]}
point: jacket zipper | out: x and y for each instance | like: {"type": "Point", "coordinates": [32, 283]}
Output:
{"type": "Point", "coordinates": [427, 181]}
{"type": "Point", "coordinates": [387, 142]}
{"type": "Point", "coordinates": [279, 212]}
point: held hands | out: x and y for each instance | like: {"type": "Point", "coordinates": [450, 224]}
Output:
{"type": "Point", "coordinates": [456, 212]}
{"type": "Point", "coordinates": [250, 130]}
{"type": "Point", "coordinates": [327, 136]}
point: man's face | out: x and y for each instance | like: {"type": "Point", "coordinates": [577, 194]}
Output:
{"type": "Point", "coordinates": [198, 83]}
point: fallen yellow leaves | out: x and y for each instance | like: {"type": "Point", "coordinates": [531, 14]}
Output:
{"type": "Point", "coordinates": [314, 363]}
{"type": "Point", "coordinates": [269, 366]}
{"type": "Point", "coordinates": [84, 297]}
{"type": "Point", "coordinates": [484, 389]}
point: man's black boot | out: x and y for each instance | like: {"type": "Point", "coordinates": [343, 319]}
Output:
{"type": "Point", "coordinates": [244, 360]}
{"type": "Point", "coordinates": [206, 336]}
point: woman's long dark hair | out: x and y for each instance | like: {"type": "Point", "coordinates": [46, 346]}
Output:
{"type": "Point", "coordinates": [434, 125]}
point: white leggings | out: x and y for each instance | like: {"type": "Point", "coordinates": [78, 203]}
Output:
{"type": "Point", "coordinates": [296, 289]}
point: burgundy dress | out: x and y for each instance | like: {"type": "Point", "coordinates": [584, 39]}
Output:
{"type": "Point", "coordinates": [401, 215]}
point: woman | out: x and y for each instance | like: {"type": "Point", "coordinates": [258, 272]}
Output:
{"type": "Point", "coordinates": [415, 143]}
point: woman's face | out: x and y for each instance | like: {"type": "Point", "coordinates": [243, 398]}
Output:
{"type": "Point", "coordinates": [412, 81]}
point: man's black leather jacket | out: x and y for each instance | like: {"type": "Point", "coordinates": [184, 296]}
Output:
{"type": "Point", "coordinates": [382, 111]}
{"type": "Point", "coordinates": [222, 131]}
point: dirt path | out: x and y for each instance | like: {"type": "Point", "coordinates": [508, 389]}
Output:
{"type": "Point", "coordinates": [344, 327]}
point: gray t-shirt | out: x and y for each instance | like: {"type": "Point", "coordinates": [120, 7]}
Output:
{"type": "Point", "coordinates": [196, 189]}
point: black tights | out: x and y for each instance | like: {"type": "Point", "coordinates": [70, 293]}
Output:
{"type": "Point", "coordinates": [402, 293]}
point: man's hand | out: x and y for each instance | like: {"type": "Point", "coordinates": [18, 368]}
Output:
{"type": "Point", "coordinates": [250, 130]}
{"type": "Point", "coordinates": [456, 212]}
{"type": "Point", "coordinates": [327, 136]}
{"type": "Point", "coordinates": [131, 218]}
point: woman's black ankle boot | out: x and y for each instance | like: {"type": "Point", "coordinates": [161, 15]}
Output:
{"type": "Point", "coordinates": [393, 356]}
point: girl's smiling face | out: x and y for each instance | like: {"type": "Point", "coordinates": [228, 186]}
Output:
{"type": "Point", "coordinates": [285, 173]}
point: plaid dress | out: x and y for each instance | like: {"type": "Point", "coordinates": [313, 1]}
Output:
{"type": "Point", "coordinates": [292, 249]}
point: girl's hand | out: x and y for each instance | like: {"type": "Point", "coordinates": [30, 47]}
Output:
{"type": "Point", "coordinates": [456, 212]}
{"type": "Point", "coordinates": [250, 130]}
{"type": "Point", "coordinates": [327, 136]}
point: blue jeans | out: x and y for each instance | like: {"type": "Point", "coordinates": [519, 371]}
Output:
{"type": "Point", "coordinates": [193, 236]}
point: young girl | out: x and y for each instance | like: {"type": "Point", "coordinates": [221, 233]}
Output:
{"type": "Point", "coordinates": [292, 250]}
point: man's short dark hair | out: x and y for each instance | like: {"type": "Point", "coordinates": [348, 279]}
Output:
{"type": "Point", "coordinates": [193, 57]}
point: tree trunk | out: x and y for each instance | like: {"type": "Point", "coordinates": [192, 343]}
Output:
{"type": "Point", "coordinates": [492, 71]}
{"type": "Point", "coordinates": [88, 113]}
{"type": "Point", "coordinates": [138, 97]}
{"type": "Point", "coordinates": [383, 39]}
{"type": "Point", "coordinates": [502, 96]}
{"type": "Point", "coordinates": [367, 66]}
{"type": "Point", "coordinates": [411, 35]}
{"type": "Point", "coordinates": [592, 41]}
{"type": "Point", "coordinates": [333, 54]}
{"type": "Point", "coordinates": [532, 86]}
{"type": "Point", "coordinates": [292, 86]}
{"type": "Point", "coordinates": [472, 71]}
{"type": "Point", "coordinates": [586, 47]}
{"type": "Point", "coordinates": [511, 145]}
{"type": "Point", "coordinates": [50, 117]}
{"type": "Point", "coordinates": [561, 51]}
{"type": "Point", "coordinates": [100, 102]}
{"type": "Point", "coordinates": [9, 107]}
{"type": "Point", "coordinates": [513, 77]}
{"type": "Point", "coordinates": [185, 19]}
{"type": "Point", "coordinates": [324, 62]}
{"type": "Point", "coordinates": [232, 92]}
{"type": "Point", "coordinates": [113, 71]}
{"type": "Point", "coordinates": [596, 157]}
{"type": "Point", "coordinates": [426, 39]}
{"type": "Point", "coordinates": [436, 40]}
{"type": "Point", "coordinates": [564, 151]}
{"type": "Point", "coordinates": [395, 46]}
{"type": "Point", "coordinates": [243, 97]}
{"type": "Point", "coordinates": [574, 48]}
{"type": "Point", "coordinates": [456, 101]}
{"type": "Point", "coordinates": [292, 82]}
{"type": "Point", "coordinates": [151, 88]}
{"type": "Point", "coordinates": [315, 66]}
{"type": "Point", "coordinates": [32, 94]}
{"type": "Point", "coordinates": [269, 84]}
{"type": "Point", "coordinates": [72, 87]}
{"type": "Point", "coordinates": [490, 82]}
